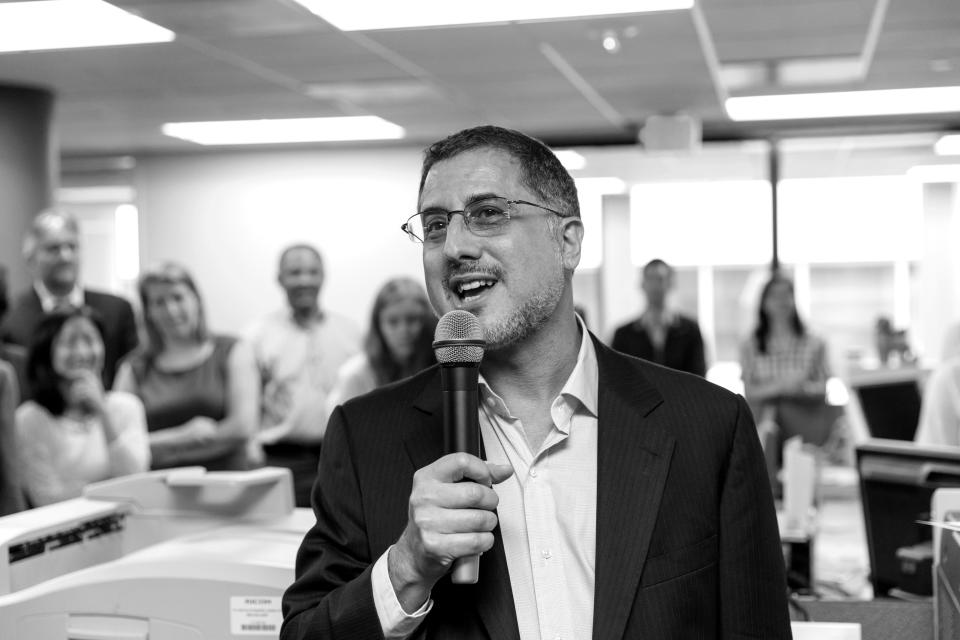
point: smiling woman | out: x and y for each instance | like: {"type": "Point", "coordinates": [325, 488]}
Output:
{"type": "Point", "coordinates": [73, 432]}
{"type": "Point", "coordinates": [199, 390]}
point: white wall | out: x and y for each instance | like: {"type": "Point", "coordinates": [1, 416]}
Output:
{"type": "Point", "coordinates": [228, 216]}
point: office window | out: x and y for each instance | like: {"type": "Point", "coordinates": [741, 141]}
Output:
{"type": "Point", "coordinates": [734, 308]}
{"type": "Point", "coordinates": [701, 223]}
{"type": "Point", "coordinates": [844, 220]}
{"type": "Point", "coordinates": [845, 302]}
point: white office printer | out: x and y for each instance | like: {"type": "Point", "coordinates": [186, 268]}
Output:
{"type": "Point", "coordinates": [179, 554]}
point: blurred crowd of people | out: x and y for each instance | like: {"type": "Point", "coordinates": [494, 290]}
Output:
{"type": "Point", "coordinates": [87, 393]}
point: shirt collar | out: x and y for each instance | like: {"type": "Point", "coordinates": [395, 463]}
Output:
{"type": "Point", "coordinates": [582, 383]}
{"type": "Point", "coordinates": [49, 302]}
{"type": "Point", "coordinates": [316, 321]}
{"type": "Point", "coordinates": [665, 319]}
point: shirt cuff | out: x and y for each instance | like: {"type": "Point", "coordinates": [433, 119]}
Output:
{"type": "Point", "coordinates": [396, 623]}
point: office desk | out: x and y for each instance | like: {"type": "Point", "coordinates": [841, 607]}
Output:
{"type": "Point", "coordinates": [881, 619]}
{"type": "Point", "coordinates": [797, 543]}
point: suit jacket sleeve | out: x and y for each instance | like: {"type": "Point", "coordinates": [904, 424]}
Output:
{"type": "Point", "coordinates": [618, 343]}
{"type": "Point", "coordinates": [753, 596]}
{"type": "Point", "coordinates": [11, 494]}
{"type": "Point", "coordinates": [332, 596]}
{"type": "Point", "coordinates": [128, 330]}
{"type": "Point", "coordinates": [698, 361]}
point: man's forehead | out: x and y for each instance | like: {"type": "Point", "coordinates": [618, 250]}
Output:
{"type": "Point", "coordinates": [300, 257]}
{"type": "Point", "coordinates": [56, 232]}
{"type": "Point", "coordinates": [472, 171]}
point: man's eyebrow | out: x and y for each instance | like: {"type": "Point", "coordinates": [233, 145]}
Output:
{"type": "Point", "coordinates": [475, 197]}
{"type": "Point", "coordinates": [482, 196]}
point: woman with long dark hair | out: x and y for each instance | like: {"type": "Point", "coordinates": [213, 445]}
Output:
{"type": "Point", "coordinates": [398, 343]}
{"type": "Point", "coordinates": [73, 432]}
{"type": "Point", "coordinates": [199, 389]}
{"type": "Point", "coordinates": [785, 370]}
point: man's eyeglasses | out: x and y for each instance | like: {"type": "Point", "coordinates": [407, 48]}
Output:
{"type": "Point", "coordinates": [487, 217]}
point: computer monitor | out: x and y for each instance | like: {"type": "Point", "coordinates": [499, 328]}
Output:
{"type": "Point", "coordinates": [890, 401]}
{"type": "Point", "coordinates": [897, 480]}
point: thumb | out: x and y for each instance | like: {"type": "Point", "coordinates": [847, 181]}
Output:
{"type": "Point", "coordinates": [499, 472]}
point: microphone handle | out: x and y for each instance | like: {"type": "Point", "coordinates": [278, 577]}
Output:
{"type": "Point", "coordinates": [461, 433]}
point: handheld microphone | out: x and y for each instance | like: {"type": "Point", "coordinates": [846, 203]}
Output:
{"type": "Point", "coordinates": [458, 345]}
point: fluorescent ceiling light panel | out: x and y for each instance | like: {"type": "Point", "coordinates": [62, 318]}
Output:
{"type": "Point", "coordinates": [819, 71]}
{"type": "Point", "coordinates": [948, 146]}
{"type": "Point", "coordinates": [285, 130]}
{"type": "Point", "coordinates": [935, 172]}
{"type": "Point", "coordinates": [69, 24]}
{"type": "Point", "coordinates": [389, 14]}
{"type": "Point", "coordinates": [844, 104]}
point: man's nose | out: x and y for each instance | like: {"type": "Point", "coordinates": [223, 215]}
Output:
{"type": "Point", "coordinates": [460, 243]}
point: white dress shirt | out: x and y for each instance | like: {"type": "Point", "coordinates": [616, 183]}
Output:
{"type": "Point", "coordinates": [49, 302]}
{"type": "Point", "coordinates": [547, 513]}
{"type": "Point", "coordinates": [298, 368]}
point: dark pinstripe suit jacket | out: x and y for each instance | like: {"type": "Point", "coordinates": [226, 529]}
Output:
{"type": "Point", "coordinates": [687, 542]}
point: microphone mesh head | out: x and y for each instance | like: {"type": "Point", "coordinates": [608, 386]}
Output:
{"type": "Point", "coordinates": [455, 326]}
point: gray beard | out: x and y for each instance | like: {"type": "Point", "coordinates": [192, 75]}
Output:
{"type": "Point", "coordinates": [527, 318]}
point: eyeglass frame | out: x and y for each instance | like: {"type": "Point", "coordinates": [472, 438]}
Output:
{"type": "Point", "coordinates": [405, 227]}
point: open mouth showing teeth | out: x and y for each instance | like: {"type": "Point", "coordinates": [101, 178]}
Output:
{"type": "Point", "coordinates": [473, 288]}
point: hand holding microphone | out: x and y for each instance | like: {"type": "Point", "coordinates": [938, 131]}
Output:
{"type": "Point", "coordinates": [452, 504]}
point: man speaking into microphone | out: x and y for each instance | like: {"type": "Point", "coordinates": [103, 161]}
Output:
{"type": "Point", "coordinates": [614, 498]}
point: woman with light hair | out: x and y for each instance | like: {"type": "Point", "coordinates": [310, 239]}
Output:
{"type": "Point", "coordinates": [199, 389]}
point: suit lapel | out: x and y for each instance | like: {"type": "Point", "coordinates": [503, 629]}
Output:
{"type": "Point", "coordinates": [493, 596]}
{"type": "Point", "coordinates": [633, 457]}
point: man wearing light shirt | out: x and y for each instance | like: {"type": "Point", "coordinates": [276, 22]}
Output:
{"type": "Point", "coordinates": [618, 499]}
{"type": "Point", "coordinates": [51, 249]}
{"type": "Point", "coordinates": [298, 351]}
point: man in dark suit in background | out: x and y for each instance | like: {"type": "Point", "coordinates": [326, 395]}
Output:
{"type": "Point", "coordinates": [51, 249]}
{"type": "Point", "coordinates": [619, 499]}
{"type": "Point", "coordinates": [661, 334]}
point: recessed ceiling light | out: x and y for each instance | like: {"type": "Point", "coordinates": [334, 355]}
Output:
{"type": "Point", "coordinates": [948, 145]}
{"type": "Point", "coordinates": [935, 172]}
{"type": "Point", "coordinates": [69, 24]}
{"type": "Point", "coordinates": [227, 132]}
{"type": "Point", "coordinates": [389, 14]}
{"type": "Point", "coordinates": [610, 42]}
{"type": "Point", "coordinates": [844, 104]}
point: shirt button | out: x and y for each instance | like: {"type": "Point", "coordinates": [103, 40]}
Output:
{"type": "Point", "coordinates": [491, 402]}
{"type": "Point", "coordinates": [533, 472]}
{"type": "Point", "coordinates": [546, 554]}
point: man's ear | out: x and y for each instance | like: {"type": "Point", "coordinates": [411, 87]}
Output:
{"type": "Point", "coordinates": [571, 230]}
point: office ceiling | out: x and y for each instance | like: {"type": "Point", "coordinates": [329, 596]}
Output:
{"type": "Point", "coordinates": [243, 59]}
